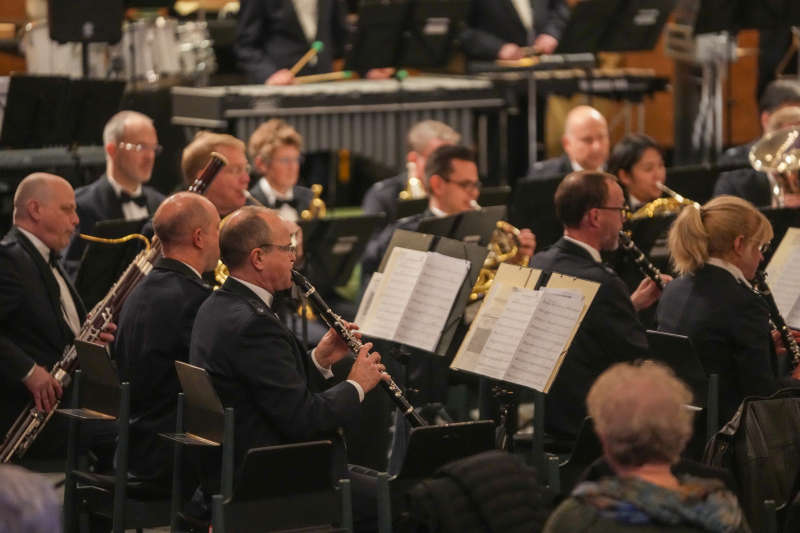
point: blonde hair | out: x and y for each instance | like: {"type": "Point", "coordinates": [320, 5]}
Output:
{"type": "Point", "coordinates": [271, 135]}
{"type": "Point", "coordinates": [640, 414]}
{"type": "Point", "coordinates": [698, 234]}
{"type": "Point", "coordinates": [197, 152]}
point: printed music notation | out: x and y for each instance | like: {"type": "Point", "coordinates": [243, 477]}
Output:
{"type": "Point", "coordinates": [411, 301]}
{"type": "Point", "coordinates": [529, 336]}
{"type": "Point", "coordinates": [784, 277]}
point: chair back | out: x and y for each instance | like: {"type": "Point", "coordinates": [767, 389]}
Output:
{"type": "Point", "coordinates": [430, 447]}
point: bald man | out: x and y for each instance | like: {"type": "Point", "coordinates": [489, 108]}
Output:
{"type": "Point", "coordinates": [585, 142]}
{"type": "Point", "coordinates": [156, 324]}
{"type": "Point", "coordinates": [40, 312]}
{"type": "Point", "coordinates": [131, 146]}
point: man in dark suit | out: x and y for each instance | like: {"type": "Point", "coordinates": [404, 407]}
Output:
{"type": "Point", "coordinates": [590, 205]}
{"type": "Point", "coordinates": [280, 393]}
{"type": "Point", "coordinates": [40, 312]}
{"type": "Point", "coordinates": [586, 145]}
{"type": "Point", "coordinates": [423, 138]}
{"type": "Point", "coordinates": [272, 35]}
{"type": "Point", "coordinates": [497, 29]}
{"type": "Point", "coordinates": [274, 149]}
{"type": "Point", "coordinates": [155, 326]}
{"type": "Point", "coordinates": [131, 146]}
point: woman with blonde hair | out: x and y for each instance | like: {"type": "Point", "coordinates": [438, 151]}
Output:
{"type": "Point", "coordinates": [275, 148]}
{"type": "Point", "coordinates": [717, 249]}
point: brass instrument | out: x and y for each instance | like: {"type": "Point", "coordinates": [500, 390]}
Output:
{"type": "Point", "coordinates": [414, 186]}
{"type": "Point", "coordinates": [673, 203]}
{"type": "Point", "coordinates": [316, 209]}
{"type": "Point", "coordinates": [778, 155]}
{"type": "Point", "coordinates": [503, 248]}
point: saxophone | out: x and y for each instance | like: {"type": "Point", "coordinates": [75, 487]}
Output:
{"type": "Point", "coordinates": [30, 423]}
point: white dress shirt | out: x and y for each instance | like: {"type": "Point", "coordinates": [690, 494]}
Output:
{"type": "Point", "coordinates": [130, 210]}
{"type": "Point", "coordinates": [591, 249]}
{"type": "Point", "coordinates": [732, 269]}
{"type": "Point", "coordinates": [286, 212]}
{"type": "Point", "coordinates": [307, 15]}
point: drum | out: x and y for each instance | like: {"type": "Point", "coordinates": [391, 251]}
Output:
{"type": "Point", "coordinates": [196, 52]}
{"type": "Point", "coordinates": [149, 50]}
{"type": "Point", "coordinates": [47, 57]}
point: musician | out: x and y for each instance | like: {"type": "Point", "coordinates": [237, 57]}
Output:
{"type": "Point", "coordinates": [131, 146]}
{"type": "Point", "coordinates": [227, 190]}
{"type": "Point", "coordinates": [717, 250]}
{"type": "Point", "coordinates": [498, 29]}
{"type": "Point", "coordinates": [590, 205]}
{"type": "Point", "coordinates": [423, 138]}
{"type": "Point", "coordinates": [274, 149]}
{"type": "Point", "coordinates": [280, 393]}
{"type": "Point", "coordinates": [272, 35]}
{"type": "Point", "coordinates": [778, 94]}
{"type": "Point", "coordinates": [155, 327]}
{"type": "Point", "coordinates": [451, 179]}
{"type": "Point", "coordinates": [585, 142]}
{"type": "Point", "coordinates": [40, 312]}
{"type": "Point", "coordinates": [638, 164]}
{"type": "Point", "coordinates": [765, 188]}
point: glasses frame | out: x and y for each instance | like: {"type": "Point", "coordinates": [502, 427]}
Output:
{"type": "Point", "coordinates": [467, 186]}
{"type": "Point", "coordinates": [140, 147]}
{"type": "Point", "coordinates": [624, 210]}
{"type": "Point", "coordinates": [290, 248]}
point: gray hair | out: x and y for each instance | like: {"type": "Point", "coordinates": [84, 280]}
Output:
{"type": "Point", "coordinates": [422, 133]}
{"type": "Point", "coordinates": [28, 502]}
{"type": "Point", "coordinates": [640, 413]}
{"type": "Point", "coordinates": [114, 130]}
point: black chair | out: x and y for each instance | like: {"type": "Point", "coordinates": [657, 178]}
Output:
{"type": "Point", "coordinates": [128, 503]}
{"type": "Point", "coordinates": [282, 488]}
{"type": "Point", "coordinates": [429, 447]}
{"type": "Point", "coordinates": [586, 451]}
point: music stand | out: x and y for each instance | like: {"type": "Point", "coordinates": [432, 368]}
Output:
{"type": "Point", "coordinates": [333, 246]}
{"type": "Point", "coordinates": [413, 206]}
{"type": "Point", "coordinates": [102, 264]}
{"type": "Point", "coordinates": [470, 226]}
{"type": "Point", "coordinates": [586, 25]}
{"type": "Point", "coordinates": [431, 447]}
{"type": "Point", "coordinates": [430, 31]}
{"type": "Point", "coordinates": [678, 353]}
{"type": "Point", "coordinates": [494, 195]}
{"type": "Point", "coordinates": [532, 207]}
{"type": "Point", "coordinates": [99, 389]}
{"type": "Point", "coordinates": [377, 37]}
{"type": "Point", "coordinates": [781, 218]}
{"type": "Point", "coordinates": [637, 25]}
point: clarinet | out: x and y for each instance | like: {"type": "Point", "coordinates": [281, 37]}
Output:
{"type": "Point", "coordinates": [30, 423]}
{"type": "Point", "coordinates": [775, 318]}
{"type": "Point", "coordinates": [335, 321]}
{"type": "Point", "coordinates": [645, 266]}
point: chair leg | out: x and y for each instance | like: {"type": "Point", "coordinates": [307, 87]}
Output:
{"type": "Point", "coordinates": [346, 496]}
{"type": "Point", "coordinates": [384, 504]}
{"type": "Point", "coordinates": [71, 503]}
{"type": "Point", "coordinates": [770, 517]}
{"type": "Point", "coordinates": [217, 513]}
{"type": "Point", "coordinates": [553, 473]}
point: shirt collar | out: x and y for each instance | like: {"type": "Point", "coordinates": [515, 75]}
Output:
{"type": "Point", "coordinates": [577, 168]}
{"type": "Point", "coordinates": [438, 213]}
{"type": "Point", "coordinates": [272, 194]}
{"type": "Point", "coordinates": [118, 188]}
{"type": "Point", "coordinates": [193, 269]}
{"type": "Point", "coordinates": [592, 251]}
{"type": "Point", "coordinates": [732, 269]}
{"type": "Point", "coordinates": [634, 202]}
{"type": "Point", "coordinates": [40, 246]}
{"type": "Point", "coordinates": [261, 292]}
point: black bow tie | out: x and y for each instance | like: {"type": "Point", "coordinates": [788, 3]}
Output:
{"type": "Point", "coordinates": [140, 200]}
{"type": "Point", "coordinates": [279, 202]}
{"type": "Point", "coordinates": [54, 259]}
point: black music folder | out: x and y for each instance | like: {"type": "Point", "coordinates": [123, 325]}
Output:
{"type": "Point", "coordinates": [333, 246]}
{"type": "Point", "coordinates": [470, 226]}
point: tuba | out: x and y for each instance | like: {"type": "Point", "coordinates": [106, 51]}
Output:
{"type": "Point", "coordinates": [414, 186]}
{"type": "Point", "coordinates": [778, 155]}
{"type": "Point", "coordinates": [503, 248]}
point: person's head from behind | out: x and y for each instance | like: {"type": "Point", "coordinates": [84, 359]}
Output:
{"type": "Point", "coordinates": [638, 163]}
{"type": "Point", "coordinates": [257, 246]}
{"type": "Point", "coordinates": [451, 176]}
{"type": "Point", "coordinates": [28, 503]}
{"type": "Point", "coordinates": [727, 227]}
{"type": "Point", "coordinates": [585, 138]}
{"type": "Point", "coordinates": [425, 137]}
{"type": "Point", "coordinates": [227, 191]}
{"type": "Point", "coordinates": [44, 204]}
{"type": "Point", "coordinates": [785, 117]}
{"type": "Point", "coordinates": [778, 94]}
{"type": "Point", "coordinates": [131, 146]}
{"type": "Point", "coordinates": [591, 207]}
{"type": "Point", "coordinates": [187, 225]}
{"type": "Point", "coordinates": [274, 149]}
{"type": "Point", "coordinates": [640, 414]}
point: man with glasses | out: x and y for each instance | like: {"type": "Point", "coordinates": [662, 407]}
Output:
{"type": "Point", "coordinates": [281, 393]}
{"type": "Point", "coordinates": [131, 146]}
{"type": "Point", "coordinates": [591, 206]}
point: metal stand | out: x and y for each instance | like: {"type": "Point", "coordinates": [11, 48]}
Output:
{"type": "Point", "coordinates": [509, 403]}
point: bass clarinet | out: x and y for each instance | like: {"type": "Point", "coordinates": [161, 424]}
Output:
{"type": "Point", "coordinates": [645, 266]}
{"type": "Point", "coordinates": [30, 423]}
{"type": "Point", "coordinates": [335, 321]}
{"type": "Point", "coordinates": [762, 289]}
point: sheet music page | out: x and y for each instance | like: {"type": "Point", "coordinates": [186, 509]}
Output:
{"type": "Point", "coordinates": [786, 289]}
{"type": "Point", "coordinates": [368, 298]}
{"type": "Point", "coordinates": [545, 338]}
{"type": "Point", "coordinates": [431, 300]}
{"type": "Point", "coordinates": [394, 292]}
{"type": "Point", "coordinates": [508, 332]}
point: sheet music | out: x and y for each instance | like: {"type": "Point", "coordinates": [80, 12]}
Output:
{"type": "Point", "coordinates": [394, 291]}
{"type": "Point", "coordinates": [430, 302]}
{"type": "Point", "coordinates": [368, 298]}
{"type": "Point", "coordinates": [490, 311]}
{"type": "Point", "coordinates": [786, 290]}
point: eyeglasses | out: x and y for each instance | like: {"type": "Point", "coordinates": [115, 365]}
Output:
{"type": "Point", "coordinates": [764, 248]}
{"type": "Point", "coordinates": [623, 211]}
{"type": "Point", "coordinates": [139, 147]}
{"type": "Point", "coordinates": [291, 248]}
{"type": "Point", "coordinates": [467, 186]}
{"type": "Point", "coordinates": [238, 169]}
{"type": "Point", "coordinates": [288, 160]}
